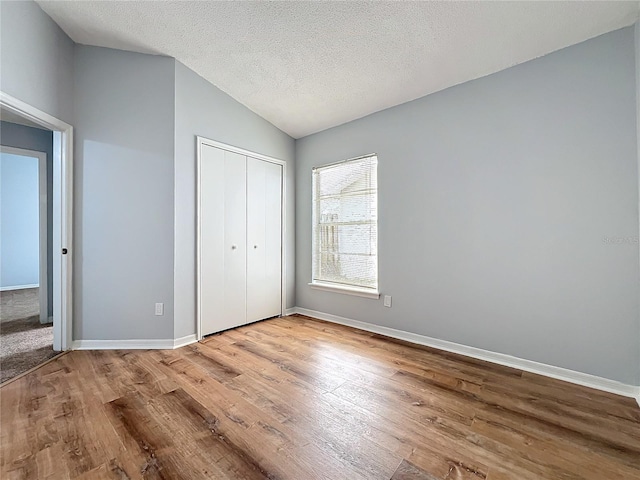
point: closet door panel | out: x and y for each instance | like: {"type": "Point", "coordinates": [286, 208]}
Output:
{"type": "Point", "coordinates": [273, 239]}
{"type": "Point", "coordinates": [264, 239]}
{"type": "Point", "coordinates": [235, 241]}
{"type": "Point", "coordinates": [212, 251]}
{"type": "Point", "coordinates": [223, 239]}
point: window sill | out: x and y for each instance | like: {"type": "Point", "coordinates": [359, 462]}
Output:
{"type": "Point", "coordinates": [358, 292]}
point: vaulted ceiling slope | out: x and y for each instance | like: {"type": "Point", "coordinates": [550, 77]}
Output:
{"type": "Point", "coordinates": [308, 66]}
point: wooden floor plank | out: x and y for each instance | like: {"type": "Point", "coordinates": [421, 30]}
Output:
{"type": "Point", "coordinates": [338, 432]}
{"type": "Point", "coordinates": [298, 398]}
{"type": "Point", "coordinates": [272, 443]}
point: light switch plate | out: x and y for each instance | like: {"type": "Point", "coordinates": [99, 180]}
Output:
{"type": "Point", "coordinates": [387, 301]}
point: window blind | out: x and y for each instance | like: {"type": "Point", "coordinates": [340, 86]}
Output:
{"type": "Point", "coordinates": [345, 223]}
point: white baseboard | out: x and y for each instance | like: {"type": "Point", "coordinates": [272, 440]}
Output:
{"type": "Point", "coordinates": [289, 311]}
{"type": "Point", "coordinates": [186, 340]}
{"type": "Point", "coordinates": [160, 344]}
{"type": "Point", "coordinates": [123, 344]}
{"type": "Point", "coordinates": [18, 287]}
{"type": "Point", "coordinates": [559, 373]}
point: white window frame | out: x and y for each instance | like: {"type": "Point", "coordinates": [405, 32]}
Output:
{"type": "Point", "coordinates": [335, 287]}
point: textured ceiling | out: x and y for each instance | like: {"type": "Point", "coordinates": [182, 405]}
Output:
{"type": "Point", "coordinates": [308, 66]}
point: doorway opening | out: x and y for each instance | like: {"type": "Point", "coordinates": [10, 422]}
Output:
{"type": "Point", "coordinates": [35, 237]}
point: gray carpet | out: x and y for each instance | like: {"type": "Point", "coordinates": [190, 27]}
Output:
{"type": "Point", "coordinates": [19, 304]}
{"type": "Point", "coordinates": [24, 342]}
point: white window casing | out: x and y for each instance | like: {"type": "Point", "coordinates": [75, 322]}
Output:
{"type": "Point", "coordinates": [345, 227]}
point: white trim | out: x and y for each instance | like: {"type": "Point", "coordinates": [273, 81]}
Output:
{"type": "Point", "coordinates": [340, 162]}
{"type": "Point", "coordinates": [318, 279]}
{"type": "Point", "coordinates": [17, 287]}
{"type": "Point", "coordinates": [198, 242]}
{"type": "Point", "coordinates": [66, 237]}
{"type": "Point", "coordinates": [230, 148]}
{"type": "Point", "coordinates": [43, 246]}
{"type": "Point", "coordinates": [637, 45]}
{"type": "Point", "coordinates": [558, 373]}
{"type": "Point", "coordinates": [153, 344]}
{"type": "Point", "coordinates": [160, 344]}
{"type": "Point", "coordinates": [289, 311]}
{"type": "Point", "coordinates": [62, 214]}
{"type": "Point", "coordinates": [186, 340]}
{"type": "Point", "coordinates": [33, 114]}
{"type": "Point", "coordinates": [283, 240]}
{"type": "Point", "coordinates": [346, 290]}
{"type": "Point", "coordinates": [200, 141]}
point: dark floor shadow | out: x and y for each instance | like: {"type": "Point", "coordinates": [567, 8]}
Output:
{"type": "Point", "coordinates": [21, 362]}
{"type": "Point", "coordinates": [22, 325]}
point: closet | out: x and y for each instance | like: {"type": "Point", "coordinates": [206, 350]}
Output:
{"type": "Point", "coordinates": [240, 238]}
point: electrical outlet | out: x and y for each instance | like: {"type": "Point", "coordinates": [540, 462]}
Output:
{"type": "Point", "coordinates": [387, 301]}
{"type": "Point", "coordinates": [159, 308]}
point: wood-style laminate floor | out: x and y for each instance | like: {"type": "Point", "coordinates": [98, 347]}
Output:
{"type": "Point", "coordinates": [296, 398]}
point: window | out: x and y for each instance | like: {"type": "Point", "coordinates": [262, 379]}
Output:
{"type": "Point", "coordinates": [345, 227]}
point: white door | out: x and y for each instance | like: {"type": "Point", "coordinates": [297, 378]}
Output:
{"type": "Point", "coordinates": [264, 239]}
{"type": "Point", "coordinates": [223, 238]}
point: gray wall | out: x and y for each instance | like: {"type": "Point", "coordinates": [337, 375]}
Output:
{"type": "Point", "coordinates": [508, 211]}
{"type": "Point", "coordinates": [20, 136]}
{"type": "Point", "coordinates": [637, 36]}
{"type": "Point", "coordinates": [202, 109]}
{"type": "Point", "coordinates": [37, 59]}
{"type": "Point", "coordinates": [19, 220]}
{"type": "Point", "coordinates": [123, 177]}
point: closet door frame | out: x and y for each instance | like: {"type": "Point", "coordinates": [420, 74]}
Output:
{"type": "Point", "coordinates": [200, 142]}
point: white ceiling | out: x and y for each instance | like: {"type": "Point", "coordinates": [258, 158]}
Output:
{"type": "Point", "coordinates": [308, 66]}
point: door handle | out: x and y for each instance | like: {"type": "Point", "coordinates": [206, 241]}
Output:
{"type": "Point", "coordinates": [233, 247]}
{"type": "Point", "coordinates": [255, 246]}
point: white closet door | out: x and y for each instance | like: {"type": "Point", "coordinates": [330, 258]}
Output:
{"type": "Point", "coordinates": [264, 239]}
{"type": "Point", "coordinates": [223, 239]}
{"type": "Point", "coordinates": [235, 229]}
